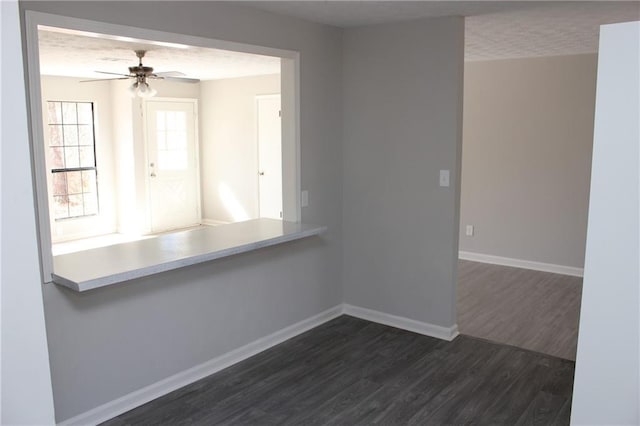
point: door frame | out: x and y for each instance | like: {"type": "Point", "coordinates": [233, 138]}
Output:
{"type": "Point", "coordinates": [147, 178]}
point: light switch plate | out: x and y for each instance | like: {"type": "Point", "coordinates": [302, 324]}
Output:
{"type": "Point", "coordinates": [444, 177]}
{"type": "Point", "coordinates": [304, 198]}
{"type": "Point", "coordinates": [469, 231]}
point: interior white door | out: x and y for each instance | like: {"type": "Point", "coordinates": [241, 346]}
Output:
{"type": "Point", "coordinates": [173, 176]}
{"type": "Point", "coordinates": [269, 156]}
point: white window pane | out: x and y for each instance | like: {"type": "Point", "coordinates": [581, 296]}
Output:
{"type": "Point", "coordinates": [89, 181]}
{"type": "Point", "coordinates": [161, 140]}
{"type": "Point", "coordinates": [176, 140]}
{"type": "Point", "coordinates": [181, 120]}
{"type": "Point", "coordinates": [69, 113]}
{"type": "Point", "coordinates": [56, 157]}
{"type": "Point", "coordinates": [160, 120]}
{"type": "Point", "coordinates": [70, 133]}
{"type": "Point", "coordinates": [171, 120]}
{"type": "Point", "coordinates": [76, 207]}
{"type": "Point", "coordinates": [55, 135]}
{"type": "Point", "coordinates": [71, 157]}
{"type": "Point", "coordinates": [86, 156]}
{"type": "Point", "coordinates": [85, 135]}
{"type": "Point", "coordinates": [59, 183]}
{"type": "Point", "coordinates": [54, 112]}
{"type": "Point", "coordinates": [60, 207]}
{"type": "Point", "coordinates": [74, 182]}
{"type": "Point", "coordinates": [85, 115]}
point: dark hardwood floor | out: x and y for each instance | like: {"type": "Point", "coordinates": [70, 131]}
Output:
{"type": "Point", "coordinates": [350, 371]}
{"type": "Point", "coordinates": [520, 307]}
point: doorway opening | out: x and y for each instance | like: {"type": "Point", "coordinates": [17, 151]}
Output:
{"type": "Point", "coordinates": [526, 165]}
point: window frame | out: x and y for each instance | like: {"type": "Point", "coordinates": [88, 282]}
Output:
{"type": "Point", "coordinates": [290, 92]}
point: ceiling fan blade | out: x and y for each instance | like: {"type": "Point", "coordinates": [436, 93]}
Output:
{"type": "Point", "coordinates": [104, 79]}
{"type": "Point", "coordinates": [179, 79]}
{"type": "Point", "coordinates": [114, 73]}
{"type": "Point", "coordinates": [170, 74]}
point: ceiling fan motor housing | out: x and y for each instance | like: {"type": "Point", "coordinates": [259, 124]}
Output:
{"type": "Point", "coordinates": [140, 70]}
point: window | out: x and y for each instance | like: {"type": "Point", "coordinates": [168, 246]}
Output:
{"type": "Point", "coordinates": [72, 158]}
{"type": "Point", "coordinates": [171, 140]}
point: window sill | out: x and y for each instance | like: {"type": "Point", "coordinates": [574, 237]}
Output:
{"type": "Point", "coordinates": [105, 266]}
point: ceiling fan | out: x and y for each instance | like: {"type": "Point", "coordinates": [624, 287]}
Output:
{"type": "Point", "coordinates": [141, 74]}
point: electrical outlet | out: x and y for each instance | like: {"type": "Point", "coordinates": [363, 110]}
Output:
{"type": "Point", "coordinates": [469, 231]}
{"type": "Point", "coordinates": [444, 177]}
{"type": "Point", "coordinates": [304, 199]}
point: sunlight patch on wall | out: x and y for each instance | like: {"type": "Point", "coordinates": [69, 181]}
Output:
{"type": "Point", "coordinates": [231, 203]}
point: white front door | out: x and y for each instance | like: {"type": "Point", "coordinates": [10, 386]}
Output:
{"type": "Point", "coordinates": [173, 176]}
{"type": "Point", "coordinates": [269, 156]}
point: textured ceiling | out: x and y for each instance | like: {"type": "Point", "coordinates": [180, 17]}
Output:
{"type": "Point", "coordinates": [494, 30]}
{"type": "Point", "coordinates": [548, 29]}
{"type": "Point", "coordinates": [69, 53]}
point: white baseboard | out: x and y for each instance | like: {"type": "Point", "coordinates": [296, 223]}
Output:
{"type": "Point", "coordinates": [213, 222]}
{"type": "Point", "coordinates": [519, 263]}
{"type": "Point", "coordinates": [155, 390]}
{"type": "Point", "coordinates": [403, 323]}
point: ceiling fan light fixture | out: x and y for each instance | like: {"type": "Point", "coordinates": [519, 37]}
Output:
{"type": "Point", "coordinates": [145, 91]}
{"type": "Point", "coordinates": [133, 89]}
{"type": "Point", "coordinates": [142, 89]}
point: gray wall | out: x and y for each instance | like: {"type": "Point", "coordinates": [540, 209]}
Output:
{"type": "Point", "coordinates": [402, 124]}
{"type": "Point", "coordinates": [526, 157]}
{"type": "Point", "coordinates": [108, 342]}
{"type": "Point", "coordinates": [607, 381]}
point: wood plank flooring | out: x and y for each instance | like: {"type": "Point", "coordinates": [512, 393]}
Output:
{"type": "Point", "coordinates": [520, 307]}
{"type": "Point", "coordinates": [354, 372]}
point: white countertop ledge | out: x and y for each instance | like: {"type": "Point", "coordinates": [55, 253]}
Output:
{"type": "Point", "coordinates": [114, 264]}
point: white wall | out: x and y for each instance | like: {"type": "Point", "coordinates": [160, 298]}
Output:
{"type": "Point", "coordinates": [25, 380]}
{"type": "Point", "coordinates": [130, 220]}
{"type": "Point", "coordinates": [69, 89]}
{"type": "Point", "coordinates": [106, 343]}
{"type": "Point", "coordinates": [228, 146]}
{"type": "Point", "coordinates": [526, 157]}
{"type": "Point", "coordinates": [607, 387]}
{"type": "Point", "coordinates": [402, 125]}
{"type": "Point", "coordinates": [176, 89]}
